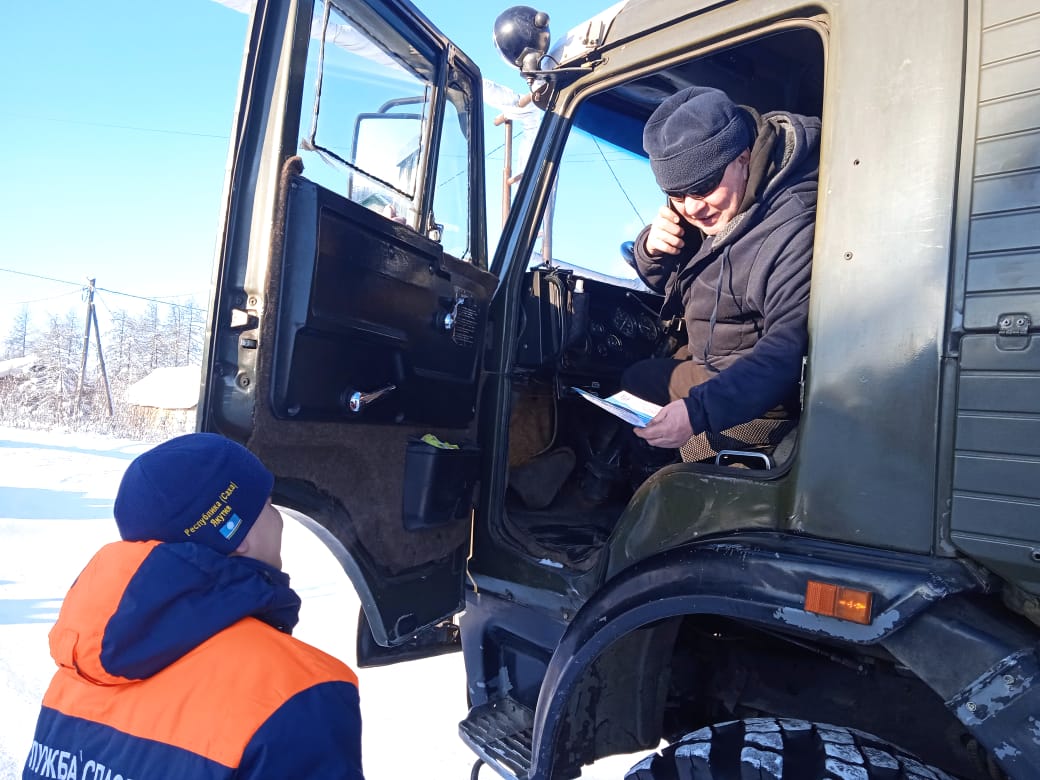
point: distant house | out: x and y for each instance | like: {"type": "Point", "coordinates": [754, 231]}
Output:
{"type": "Point", "coordinates": [18, 366]}
{"type": "Point", "coordinates": [167, 388]}
{"type": "Point", "coordinates": [164, 402]}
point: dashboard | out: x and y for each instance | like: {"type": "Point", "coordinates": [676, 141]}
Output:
{"type": "Point", "coordinates": [585, 327]}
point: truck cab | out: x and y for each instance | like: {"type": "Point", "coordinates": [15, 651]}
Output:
{"type": "Point", "coordinates": [873, 579]}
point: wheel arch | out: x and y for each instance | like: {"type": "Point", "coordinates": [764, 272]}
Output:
{"type": "Point", "coordinates": [698, 579]}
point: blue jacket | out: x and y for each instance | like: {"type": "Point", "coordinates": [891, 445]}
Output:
{"type": "Point", "coordinates": [176, 661]}
{"type": "Point", "coordinates": [744, 293]}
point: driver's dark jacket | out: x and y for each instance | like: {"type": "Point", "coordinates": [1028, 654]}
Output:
{"type": "Point", "coordinates": [176, 661]}
{"type": "Point", "coordinates": [744, 293]}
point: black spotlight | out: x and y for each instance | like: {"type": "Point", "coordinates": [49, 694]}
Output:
{"type": "Point", "coordinates": [522, 36]}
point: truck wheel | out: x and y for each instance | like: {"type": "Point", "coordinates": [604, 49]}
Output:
{"type": "Point", "coordinates": [781, 749]}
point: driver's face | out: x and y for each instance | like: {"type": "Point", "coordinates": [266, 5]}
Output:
{"type": "Point", "coordinates": [711, 212]}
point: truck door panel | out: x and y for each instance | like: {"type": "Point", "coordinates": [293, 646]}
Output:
{"type": "Point", "coordinates": [373, 304]}
{"type": "Point", "coordinates": [995, 513]}
{"type": "Point", "coordinates": [341, 276]}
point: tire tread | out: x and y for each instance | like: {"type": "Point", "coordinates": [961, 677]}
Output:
{"type": "Point", "coordinates": [782, 749]}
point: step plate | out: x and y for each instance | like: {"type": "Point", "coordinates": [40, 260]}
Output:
{"type": "Point", "coordinates": [500, 733]}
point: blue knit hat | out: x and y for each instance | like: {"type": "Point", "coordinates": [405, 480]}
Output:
{"type": "Point", "coordinates": [195, 488]}
{"type": "Point", "coordinates": [693, 135]}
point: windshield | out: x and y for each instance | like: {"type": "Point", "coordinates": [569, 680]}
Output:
{"type": "Point", "coordinates": [604, 196]}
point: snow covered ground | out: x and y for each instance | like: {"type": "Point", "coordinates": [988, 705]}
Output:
{"type": "Point", "coordinates": [56, 494]}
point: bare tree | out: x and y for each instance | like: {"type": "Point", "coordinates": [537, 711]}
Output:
{"type": "Point", "coordinates": [134, 345]}
{"type": "Point", "coordinates": [47, 397]}
{"type": "Point", "coordinates": [182, 336]}
{"type": "Point", "coordinates": [151, 334]}
{"type": "Point", "coordinates": [18, 338]}
{"type": "Point", "coordinates": [120, 347]}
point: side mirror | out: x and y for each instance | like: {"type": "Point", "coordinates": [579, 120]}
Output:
{"type": "Point", "coordinates": [628, 253]}
{"type": "Point", "coordinates": [521, 35]}
{"type": "Point", "coordinates": [386, 156]}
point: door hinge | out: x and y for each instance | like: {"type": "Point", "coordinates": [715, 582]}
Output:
{"type": "Point", "coordinates": [1014, 324]}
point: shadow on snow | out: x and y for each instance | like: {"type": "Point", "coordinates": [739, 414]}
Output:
{"type": "Point", "coordinates": [21, 611]}
{"type": "Point", "coordinates": [42, 504]}
{"type": "Point", "coordinates": [113, 453]}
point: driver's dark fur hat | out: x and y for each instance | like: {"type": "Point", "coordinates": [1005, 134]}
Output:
{"type": "Point", "coordinates": [693, 135]}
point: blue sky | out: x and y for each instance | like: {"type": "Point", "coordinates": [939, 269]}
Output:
{"type": "Point", "coordinates": [115, 119]}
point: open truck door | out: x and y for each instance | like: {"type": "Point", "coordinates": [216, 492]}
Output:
{"type": "Point", "coordinates": [351, 294]}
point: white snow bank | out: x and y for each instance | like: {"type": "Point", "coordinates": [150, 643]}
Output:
{"type": "Point", "coordinates": [167, 388]}
{"type": "Point", "coordinates": [56, 495]}
{"type": "Point", "coordinates": [16, 366]}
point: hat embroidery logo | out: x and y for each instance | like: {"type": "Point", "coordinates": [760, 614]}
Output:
{"type": "Point", "coordinates": [220, 515]}
{"type": "Point", "coordinates": [228, 529]}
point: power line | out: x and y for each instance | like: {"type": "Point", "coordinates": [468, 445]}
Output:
{"type": "Point", "coordinates": [149, 299]}
{"type": "Point", "coordinates": [618, 182]}
{"type": "Point", "coordinates": [172, 297]}
{"type": "Point", "coordinates": [465, 170]}
{"type": "Point", "coordinates": [38, 276]}
{"type": "Point", "coordinates": [131, 128]}
{"type": "Point", "coordinates": [82, 285]}
{"type": "Point", "coordinates": [40, 300]}
{"type": "Point", "coordinates": [105, 304]}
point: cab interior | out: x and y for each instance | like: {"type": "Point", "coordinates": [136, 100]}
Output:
{"type": "Point", "coordinates": [388, 309]}
{"type": "Point", "coordinates": [573, 467]}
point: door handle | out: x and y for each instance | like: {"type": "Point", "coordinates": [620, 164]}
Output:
{"type": "Point", "coordinates": [358, 400]}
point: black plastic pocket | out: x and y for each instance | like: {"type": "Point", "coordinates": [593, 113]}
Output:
{"type": "Point", "coordinates": [438, 484]}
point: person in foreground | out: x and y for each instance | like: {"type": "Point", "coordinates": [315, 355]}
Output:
{"type": "Point", "coordinates": [173, 646]}
{"type": "Point", "coordinates": [731, 251]}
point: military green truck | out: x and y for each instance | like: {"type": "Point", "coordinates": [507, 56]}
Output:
{"type": "Point", "coordinates": [873, 582]}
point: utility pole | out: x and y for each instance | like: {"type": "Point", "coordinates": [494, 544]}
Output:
{"type": "Point", "coordinates": [101, 359]}
{"type": "Point", "coordinates": [508, 179]}
{"type": "Point", "coordinates": [86, 345]}
{"type": "Point", "coordinates": [91, 319]}
{"type": "Point", "coordinates": [507, 166]}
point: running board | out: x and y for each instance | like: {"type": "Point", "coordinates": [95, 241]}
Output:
{"type": "Point", "coordinates": [500, 733]}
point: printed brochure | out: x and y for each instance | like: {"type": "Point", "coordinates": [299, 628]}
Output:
{"type": "Point", "coordinates": [630, 408]}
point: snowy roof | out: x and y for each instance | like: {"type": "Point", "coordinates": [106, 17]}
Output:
{"type": "Point", "coordinates": [14, 366]}
{"type": "Point", "coordinates": [167, 388]}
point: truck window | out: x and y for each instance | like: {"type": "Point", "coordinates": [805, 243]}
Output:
{"type": "Point", "coordinates": [364, 126]}
{"type": "Point", "coordinates": [584, 330]}
{"type": "Point", "coordinates": [605, 194]}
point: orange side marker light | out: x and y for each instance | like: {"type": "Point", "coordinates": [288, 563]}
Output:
{"type": "Point", "coordinates": [825, 598]}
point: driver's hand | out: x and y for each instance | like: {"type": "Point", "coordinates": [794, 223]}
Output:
{"type": "Point", "coordinates": [666, 233]}
{"type": "Point", "coordinates": [670, 428]}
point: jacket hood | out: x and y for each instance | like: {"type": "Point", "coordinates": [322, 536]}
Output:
{"type": "Point", "coordinates": [139, 606]}
{"type": "Point", "coordinates": [798, 151]}
{"type": "Point", "coordinates": [784, 164]}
